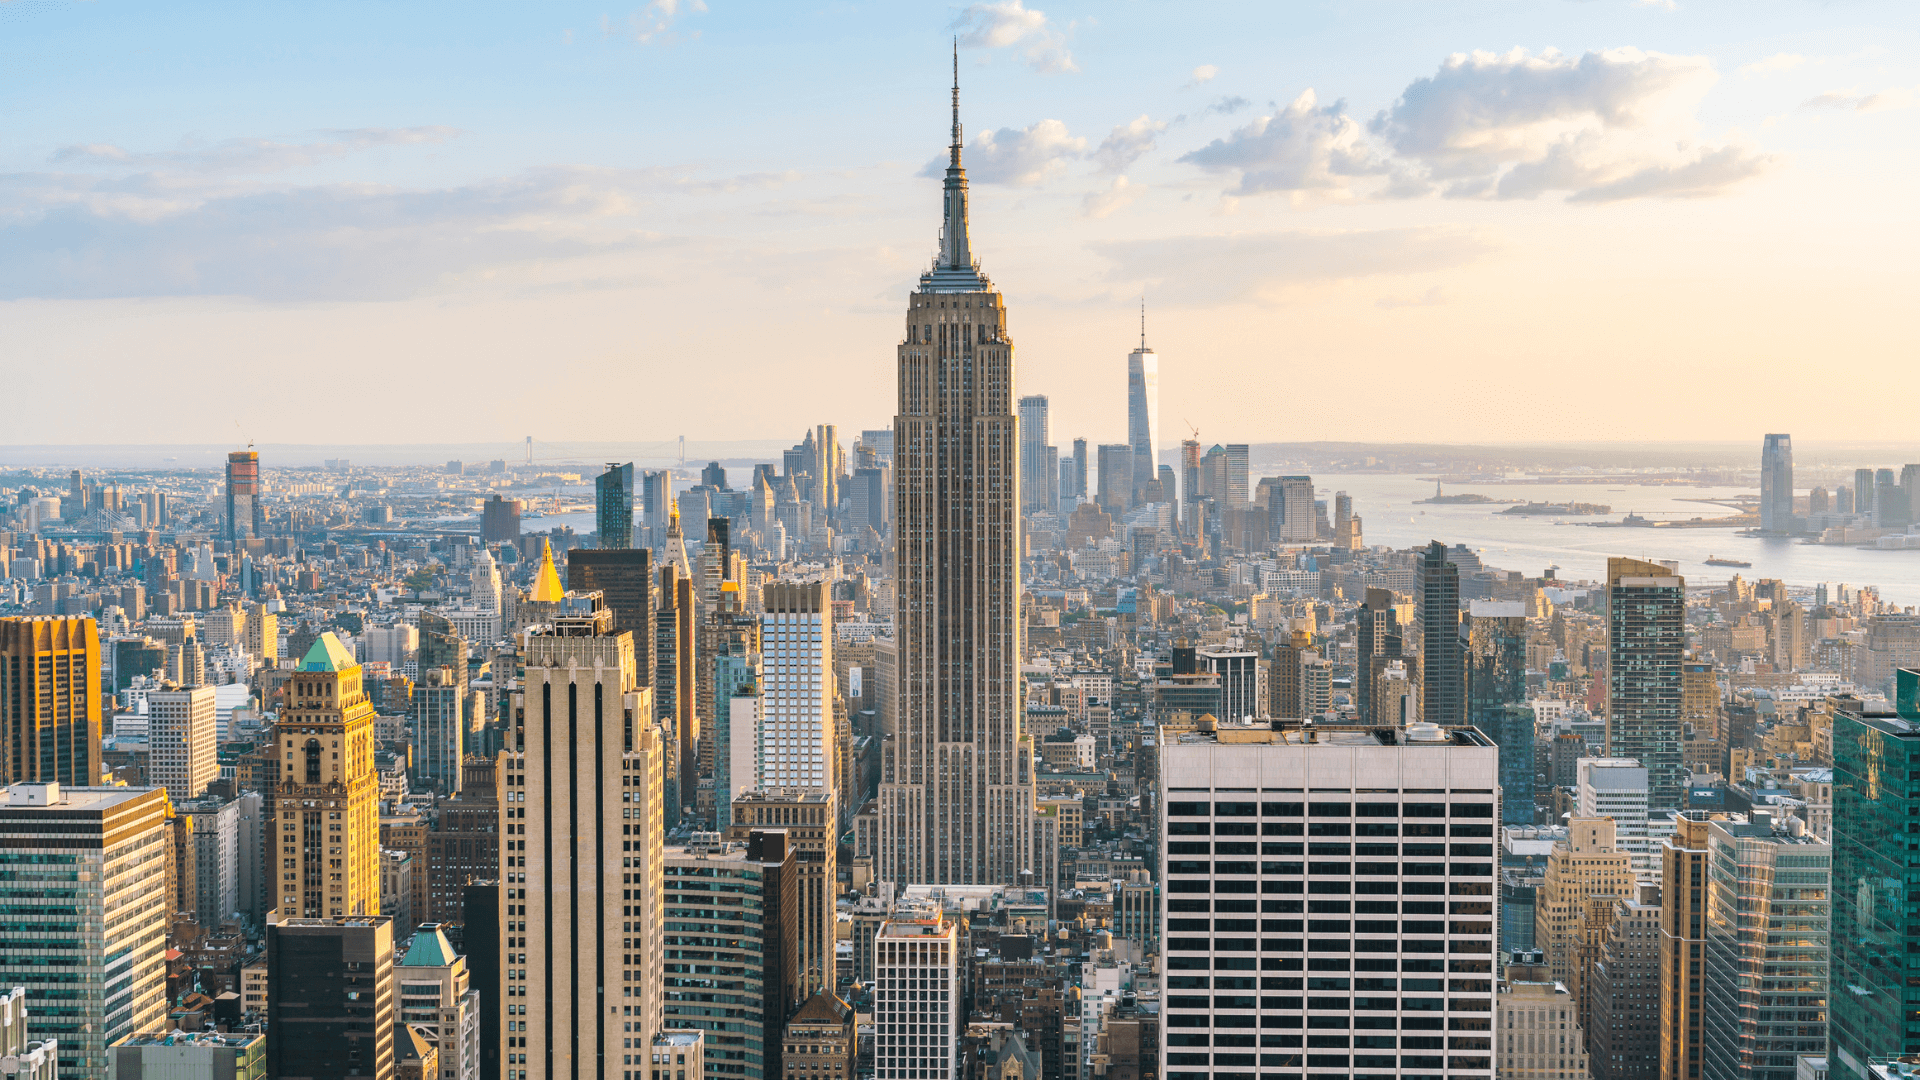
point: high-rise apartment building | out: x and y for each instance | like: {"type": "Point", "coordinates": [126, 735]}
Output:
{"type": "Point", "coordinates": [1776, 484]}
{"type": "Point", "coordinates": [1876, 799]}
{"type": "Point", "coordinates": [810, 821]}
{"type": "Point", "coordinates": [730, 739]}
{"type": "Point", "coordinates": [1764, 985]}
{"type": "Point", "coordinates": [330, 1003]}
{"type": "Point", "coordinates": [1863, 491]}
{"type": "Point", "coordinates": [1443, 659]}
{"type": "Point", "coordinates": [1377, 634]}
{"type": "Point", "coordinates": [797, 687]}
{"type": "Point", "coordinates": [87, 900]}
{"type": "Point", "coordinates": [1143, 412]}
{"type": "Point", "coordinates": [325, 829]}
{"type": "Point", "coordinates": [676, 681]}
{"type": "Point", "coordinates": [1646, 640]}
{"type": "Point", "coordinates": [1189, 487]}
{"type": "Point", "coordinates": [50, 700]}
{"type": "Point", "coordinates": [182, 751]}
{"type": "Point", "coordinates": [243, 496]}
{"type": "Point", "coordinates": [1290, 514]}
{"type": "Point", "coordinates": [957, 799]}
{"type": "Point", "coordinates": [217, 829]}
{"type": "Point", "coordinates": [916, 997]}
{"type": "Point", "coordinates": [439, 729]}
{"type": "Point", "coordinates": [1037, 489]}
{"type": "Point", "coordinates": [579, 937]}
{"type": "Point", "coordinates": [1242, 689]}
{"type": "Point", "coordinates": [729, 911]}
{"type": "Point", "coordinates": [613, 506]}
{"type": "Point", "coordinates": [1329, 903]}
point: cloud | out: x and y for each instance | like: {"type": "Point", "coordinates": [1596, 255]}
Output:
{"type": "Point", "coordinates": [652, 24]}
{"type": "Point", "coordinates": [1228, 105]}
{"type": "Point", "coordinates": [1220, 269]}
{"type": "Point", "coordinates": [1611, 124]}
{"type": "Point", "coordinates": [1896, 97]}
{"type": "Point", "coordinates": [1773, 65]}
{"type": "Point", "coordinates": [1202, 74]}
{"type": "Point", "coordinates": [1127, 142]}
{"type": "Point", "coordinates": [72, 235]}
{"type": "Point", "coordinates": [1017, 157]}
{"type": "Point", "coordinates": [1301, 148]}
{"type": "Point", "coordinates": [251, 155]}
{"type": "Point", "coordinates": [1099, 204]}
{"type": "Point", "coordinates": [1010, 23]}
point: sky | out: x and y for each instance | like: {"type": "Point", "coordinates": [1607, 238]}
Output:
{"type": "Point", "coordinates": [1495, 221]}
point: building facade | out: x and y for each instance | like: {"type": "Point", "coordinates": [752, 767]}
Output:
{"type": "Point", "coordinates": [326, 825]}
{"type": "Point", "coordinates": [50, 700]}
{"type": "Point", "coordinates": [916, 998]}
{"type": "Point", "coordinates": [330, 1002]}
{"type": "Point", "coordinates": [1646, 639]}
{"type": "Point", "coordinates": [182, 751]}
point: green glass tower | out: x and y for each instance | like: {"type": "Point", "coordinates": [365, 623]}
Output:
{"type": "Point", "coordinates": [1876, 855]}
{"type": "Point", "coordinates": [613, 506]}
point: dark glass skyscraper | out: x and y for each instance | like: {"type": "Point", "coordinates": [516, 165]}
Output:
{"type": "Point", "coordinates": [1443, 661]}
{"type": "Point", "coordinates": [1496, 698]}
{"type": "Point", "coordinates": [1646, 638]}
{"type": "Point", "coordinates": [613, 505]}
{"type": "Point", "coordinates": [1776, 484]}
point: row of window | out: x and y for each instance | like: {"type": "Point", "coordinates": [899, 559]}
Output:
{"type": "Point", "coordinates": [1185, 808]}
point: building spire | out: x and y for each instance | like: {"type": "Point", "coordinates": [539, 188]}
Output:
{"type": "Point", "coordinates": [954, 248]}
{"type": "Point", "coordinates": [1143, 322]}
{"type": "Point", "coordinates": [954, 161]}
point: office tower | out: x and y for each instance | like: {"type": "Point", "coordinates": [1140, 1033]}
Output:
{"type": "Point", "coordinates": [464, 846]}
{"type": "Point", "coordinates": [1496, 660]}
{"type": "Point", "coordinates": [1623, 1018]}
{"type": "Point", "coordinates": [796, 724]}
{"type": "Point", "coordinates": [1616, 788]}
{"type": "Point", "coordinates": [1891, 509]}
{"type": "Point", "coordinates": [1646, 606]}
{"type": "Point", "coordinates": [958, 804]}
{"type": "Point", "coordinates": [1776, 484]}
{"type": "Point", "coordinates": [182, 752]}
{"type": "Point", "coordinates": [827, 467]}
{"type": "Point", "coordinates": [50, 700]}
{"type": "Point", "coordinates": [1377, 955]}
{"type": "Point", "coordinates": [1764, 985]}
{"type": "Point", "coordinates": [870, 489]}
{"type": "Point", "coordinates": [580, 877]}
{"type": "Point", "coordinates": [436, 998]}
{"type": "Point", "coordinates": [330, 1006]}
{"type": "Point", "coordinates": [676, 683]}
{"type": "Point", "coordinates": [500, 520]}
{"type": "Point", "coordinates": [1284, 670]}
{"type": "Point", "coordinates": [1235, 475]}
{"type": "Point", "coordinates": [733, 727]}
{"type": "Point", "coordinates": [1843, 500]}
{"type": "Point", "coordinates": [439, 730]}
{"type": "Point", "coordinates": [1034, 484]}
{"type": "Point", "coordinates": [442, 646]}
{"type": "Point", "coordinates": [483, 581]}
{"type": "Point", "coordinates": [1684, 891]}
{"type": "Point", "coordinates": [1143, 410]}
{"type": "Point", "coordinates": [1240, 697]}
{"type": "Point", "coordinates": [1586, 868]}
{"type": "Point", "coordinates": [1539, 1029]}
{"type": "Point", "coordinates": [1290, 514]}
{"type": "Point", "coordinates": [1189, 485]}
{"type": "Point", "coordinates": [811, 823]}
{"type": "Point", "coordinates": [1079, 488]}
{"type": "Point", "coordinates": [1115, 478]}
{"type": "Point", "coordinates": [1443, 659]}
{"type": "Point", "coordinates": [1377, 634]}
{"type": "Point", "coordinates": [179, 1053]}
{"type": "Point", "coordinates": [820, 1039]}
{"type": "Point", "coordinates": [325, 808]}
{"type": "Point", "coordinates": [714, 475]}
{"type": "Point", "coordinates": [624, 579]}
{"type": "Point", "coordinates": [1819, 500]}
{"type": "Point", "coordinates": [730, 909]}
{"type": "Point", "coordinates": [91, 952]}
{"type": "Point", "coordinates": [216, 885]}
{"type": "Point", "coordinates": [613, 506]}
{"type": "Point", "coordinates": [243, 496]}
{"type": "Point", "coordinates": [1876, 797]}
{"type": "Point", "coordinates": [191, 667]}
{"type": "Point", "coordinates": [1863, 491]}
{"type": "Point", "coordinates": [916, 998]}
{"type": "Point", "coordinates": [263, 635]}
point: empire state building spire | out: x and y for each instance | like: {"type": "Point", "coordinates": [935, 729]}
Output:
{"type": "Point", "coordinates": [954, 269]}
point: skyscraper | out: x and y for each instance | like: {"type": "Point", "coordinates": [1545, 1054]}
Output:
{"type": "Point", "coordinates": [1189, 486]}
{"type": "Point", "coordinates": [613, 506]}
{"type": "Point", "coordinates": [500, 520]}
{"type": "Point", "coordinates": [181, 748]}
{"type": "Point", "coordinates": [1079, 489]}
{"type": "Point", "coordinates": [1115, 479]}
{"type": "Point", "coordinates": [1496, 658]}
{"type": "Point", "coordinates": [50, 700]}
{"type": "Point", "coordinates": [1291, 517]}
{"type": "Point", "coordinates": [1143, 410]}
{"type": "Point", "coordinates": [625, 580]}
{"type": "Point", "coordinates": [1443, 661]}
{"type": "Point", "coordinates": [1377, 635]}
{"type": "Point", "coordinates": [1035, 486]}
{"type": "Point", "coordinates": [1646, 637]}
{"type": "Point", "coordinates": [1863, 491]}
{"type": "Point", "coordinates": [1236, 490]}
{"type": "Point", "coordinates": [330, 997]}
{"type": "Point", "coordinates": [917, 998]}
{"type": "Point", "coordinates": [1776, 484]}
{"type": "Point", "coordinates": [243, 494]}
{"type": "Point", "coordinates": [326, 826]}
{"type": "Point", "coordinates": [796, 725]}
{"type": "Point", "coordinates": [957, 804]}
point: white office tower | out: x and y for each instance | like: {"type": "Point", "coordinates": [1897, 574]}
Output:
{"type": "Point", "coordinates": [1617, 788]}
{"type": "Point", "coordinates": [431, 986]}
{"type": "Point", "coordinates": [1328, 902]}
{"type": "Point", "coordinates": [182, 745]}
{"type": "Point", "coordinates": [796, 653]}
{"type": "Point", "coordinates": [485, 582]}
{"type": "Point", "coordinates": [1143, 410]}
{"type": "Point", "coordinates": [916, 998]}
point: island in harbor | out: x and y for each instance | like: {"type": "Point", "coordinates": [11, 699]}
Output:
{"type": "Point", "coordinates": [1556, 509]}
{"type": "Point", "coordinates": [1468, 498]}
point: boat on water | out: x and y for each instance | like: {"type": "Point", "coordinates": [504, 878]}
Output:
{"type": "Point", "coordinates": [1718, 561]}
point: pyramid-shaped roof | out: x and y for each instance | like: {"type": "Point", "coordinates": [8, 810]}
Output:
{"type": "Point", "coordinates": [327, 654]}
{"type": "Point", "coordinates": [430, 948]}
{"type": "Point", "coordinates": [546, 580]}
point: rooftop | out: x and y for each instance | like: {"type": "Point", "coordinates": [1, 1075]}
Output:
{"type": "Point", "coordinates": [238, 1040]}
{"type": "Point", "coordinates": [327, 654]}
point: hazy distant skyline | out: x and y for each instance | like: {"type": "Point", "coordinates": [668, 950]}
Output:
{"type": "Point", "coordinates": [1473, 222]}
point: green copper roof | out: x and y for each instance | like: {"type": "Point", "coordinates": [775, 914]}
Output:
{"type": "Point", "coordinates": [430, 949]}
{"type": "Point", "coordinates": [327, 654]}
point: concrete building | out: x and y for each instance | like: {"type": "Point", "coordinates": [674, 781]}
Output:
{"type": "Point", "coordinates": [677, 1055]}
{"type": "Point", "coordinates": [189, 1055]}
{"type": "Point", "coordinates": [821, 1042]}
{"type": "Point", "coordinates": [23, 1058]}
{"type": "Point", "coordinates": [439, 730]}
{"type": "Point", "coordinates": [116, 845]}
{"type": "Point", "coordinates": [50, 721]}
{"type": "Point", "coordinates": [325, 808]}
{"type": "Point", "coordinates": [1586, 873]}
{"type": "Point", "coordinates": [797, 690]}
{"type": "Point", "coordinates": [216, 858]}
{"type": "Point", "coordinates": [1617, 788]}
{"type": "Point", "coordinates": [1328, 904]}
{"type": "Point", "coordinates": [434, 996]}
{"type": "Point", "coordinates": [1538, 1028]}
{"type": "Point", "coordinates": [182, 751]}
{"type": "Point", "coordinates": [1623, 1004]}
{"type": "Point", "coordinates": [330, 1002]}
{"type": "Point", "coordinates": [916, 998]}
{"type": "Point", "coordinates": [1684, 889]}
{"type": "Point", "coordinates": [809, 818]}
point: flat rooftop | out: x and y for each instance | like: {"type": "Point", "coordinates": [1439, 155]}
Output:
{"type": "Point", "coordinates": [237, 1041]}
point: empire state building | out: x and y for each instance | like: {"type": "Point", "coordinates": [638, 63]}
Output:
{"type": "Point", "coordinates": [957, 789]}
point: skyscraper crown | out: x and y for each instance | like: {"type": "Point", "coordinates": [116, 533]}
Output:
{"type": "Point", "coordinates": [954, 269]}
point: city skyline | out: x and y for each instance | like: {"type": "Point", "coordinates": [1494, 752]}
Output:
{"type": "Point", "coordinates": [469, 225]}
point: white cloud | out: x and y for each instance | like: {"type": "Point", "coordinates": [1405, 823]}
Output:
{"type": "Point", "coordinates": [652, 24]}
{"type": "Point", "coordinates": [1202, 74]}
{"type": "Point", "coordinates": [1005, 24]}
{"type": "Point", "coordinates": [1855, 100]}
{"type": "Point", "coordinates": [1515, 125]}
{"type": "Point", "coordinates": [1773, 65]}
{"type": "Point", "coordinates": [1015, 156]}
{"type": "Point", "coordinates": [1127, 142]}
{"type": "Point", "coordinates": [1099, 204]}
{"type": "Point", "coordinates": [1301, 148]}
{"type": "Point", "coordinates": [1211, 270]}
{"type": "Point", "coordinates": [250, 155]}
